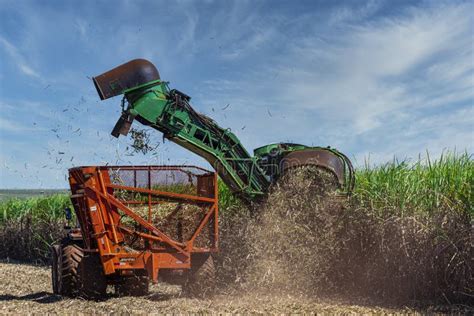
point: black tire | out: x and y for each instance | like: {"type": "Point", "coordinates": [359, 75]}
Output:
{"type": "Point", "coordinates": [201, 281]}
{"type": "Point", "coordinates": [81, 275]}
{"type": "Point", "coordinates": [71, 256]}
{"type": "Point", "coordinates": [56, 268]}
{"type": "Point", "coordinates": [93, 283]}
{"type": "Point", "coordinates": [134, 285]}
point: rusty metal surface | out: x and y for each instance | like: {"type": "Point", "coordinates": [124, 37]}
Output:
{"type": "Point", "coordinates": [318, 157]}
{"type": "Point", "coordinates": [117, 204]}
{"type": "Point", "coordinates": [126, 76]}
{"type": "Point", "coordinates": [123, 125]}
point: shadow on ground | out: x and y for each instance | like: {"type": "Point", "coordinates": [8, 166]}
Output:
{"type": "Point", "coordinates": [44, 297]}
{"type": "Point", "coordinates": [39, 297]}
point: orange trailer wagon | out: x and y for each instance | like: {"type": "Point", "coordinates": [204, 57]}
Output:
{"type": "Point", "coordinates": [136, 224]}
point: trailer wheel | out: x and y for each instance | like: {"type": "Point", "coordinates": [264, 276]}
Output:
{"type": "Point", "coordinates": [201, 281]}
{"type": "Point", "coordinates": [55, 269]}
{"type": "Point", "coordinates": [134, 285]}
{"type": "Point", "coordinates": [92, 280]}
{"type": "Point", "coordinates": [68, 279]}
{"type": "Point", "coordinates": [81, 275]}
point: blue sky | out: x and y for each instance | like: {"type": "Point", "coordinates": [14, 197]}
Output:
{"type": "Point", "coordinates": [378, 79]}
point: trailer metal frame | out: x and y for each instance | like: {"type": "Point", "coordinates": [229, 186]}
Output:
{"type": "Point", "coordinates": [100, 203]}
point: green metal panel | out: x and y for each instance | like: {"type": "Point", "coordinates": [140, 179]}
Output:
{"type": "Point", "coordinates": [164, 110]}
{"type": "Point", "coordinates": [169, 111]}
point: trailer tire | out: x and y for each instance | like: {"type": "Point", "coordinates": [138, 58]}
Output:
{"type": "Point", "coordinates": [92, 280]}
{"type": "Point", "coordinates": [201, 281]}
{"type": "Point", "coordinates": [134, 285]}
{"type": "Point", "coordinates": [56, 268]}
{"type": "Point", "coordinates": [81, 275]}
{"type": "Point", "coordinates": [70, 258]}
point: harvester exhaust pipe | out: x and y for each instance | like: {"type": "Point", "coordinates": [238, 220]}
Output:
{"type": "Point", "coordinates": [127, 76]}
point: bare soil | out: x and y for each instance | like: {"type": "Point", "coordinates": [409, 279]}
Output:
{"type": "Point", "coordinates": [27, 289]}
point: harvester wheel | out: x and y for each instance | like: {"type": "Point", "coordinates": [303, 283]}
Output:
{"type": "Point", "coordinates": [135, 285]}
{"type": "Point", "coordinates": [202, 277]}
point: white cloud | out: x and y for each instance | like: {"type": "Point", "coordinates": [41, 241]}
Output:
{"type": "Point", "coordinates": [13, 126]}
{"type": "Point", "coordinates": [346, 14]}
{"type": "Point", "coordinates": [187, 41]}
{"type": "Point", "coordinates": [27, 70]}
{"type": "Point", "coordinates": [81, 27]}
{"type": "Point", "coordinates": [360, 87]}
{"type": "Point", "coordinates": [370, 66]}
{"type": "Point", "coordinates": [19, 59]}
{"type": "Point", "coordinates": [249, 44]}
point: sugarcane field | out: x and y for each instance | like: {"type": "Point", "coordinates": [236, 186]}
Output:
{"type": "Point", "coordinates": [236, 157]}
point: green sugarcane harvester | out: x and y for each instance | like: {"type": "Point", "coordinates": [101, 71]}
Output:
{"type": "Point", "coordinates": [151, 102]}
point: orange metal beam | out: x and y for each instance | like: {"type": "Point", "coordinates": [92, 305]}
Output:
{"type": "Point", "coordinates": [140, 220]}
{"type": "Point", "coordinates": [146, 236]}
{"type": "Point", "coordinates": [204, 221]}
{"type": "Point", "coordinates": [170, 195]}
{"type": "Point", "coordinates": [98, 211]}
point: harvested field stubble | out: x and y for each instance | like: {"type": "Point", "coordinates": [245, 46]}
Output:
{"type": "Point", "coordinates": [26, 289]}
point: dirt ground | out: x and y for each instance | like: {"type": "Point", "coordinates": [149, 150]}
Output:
{"type": "Point", "coordinates": [26, 289]}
